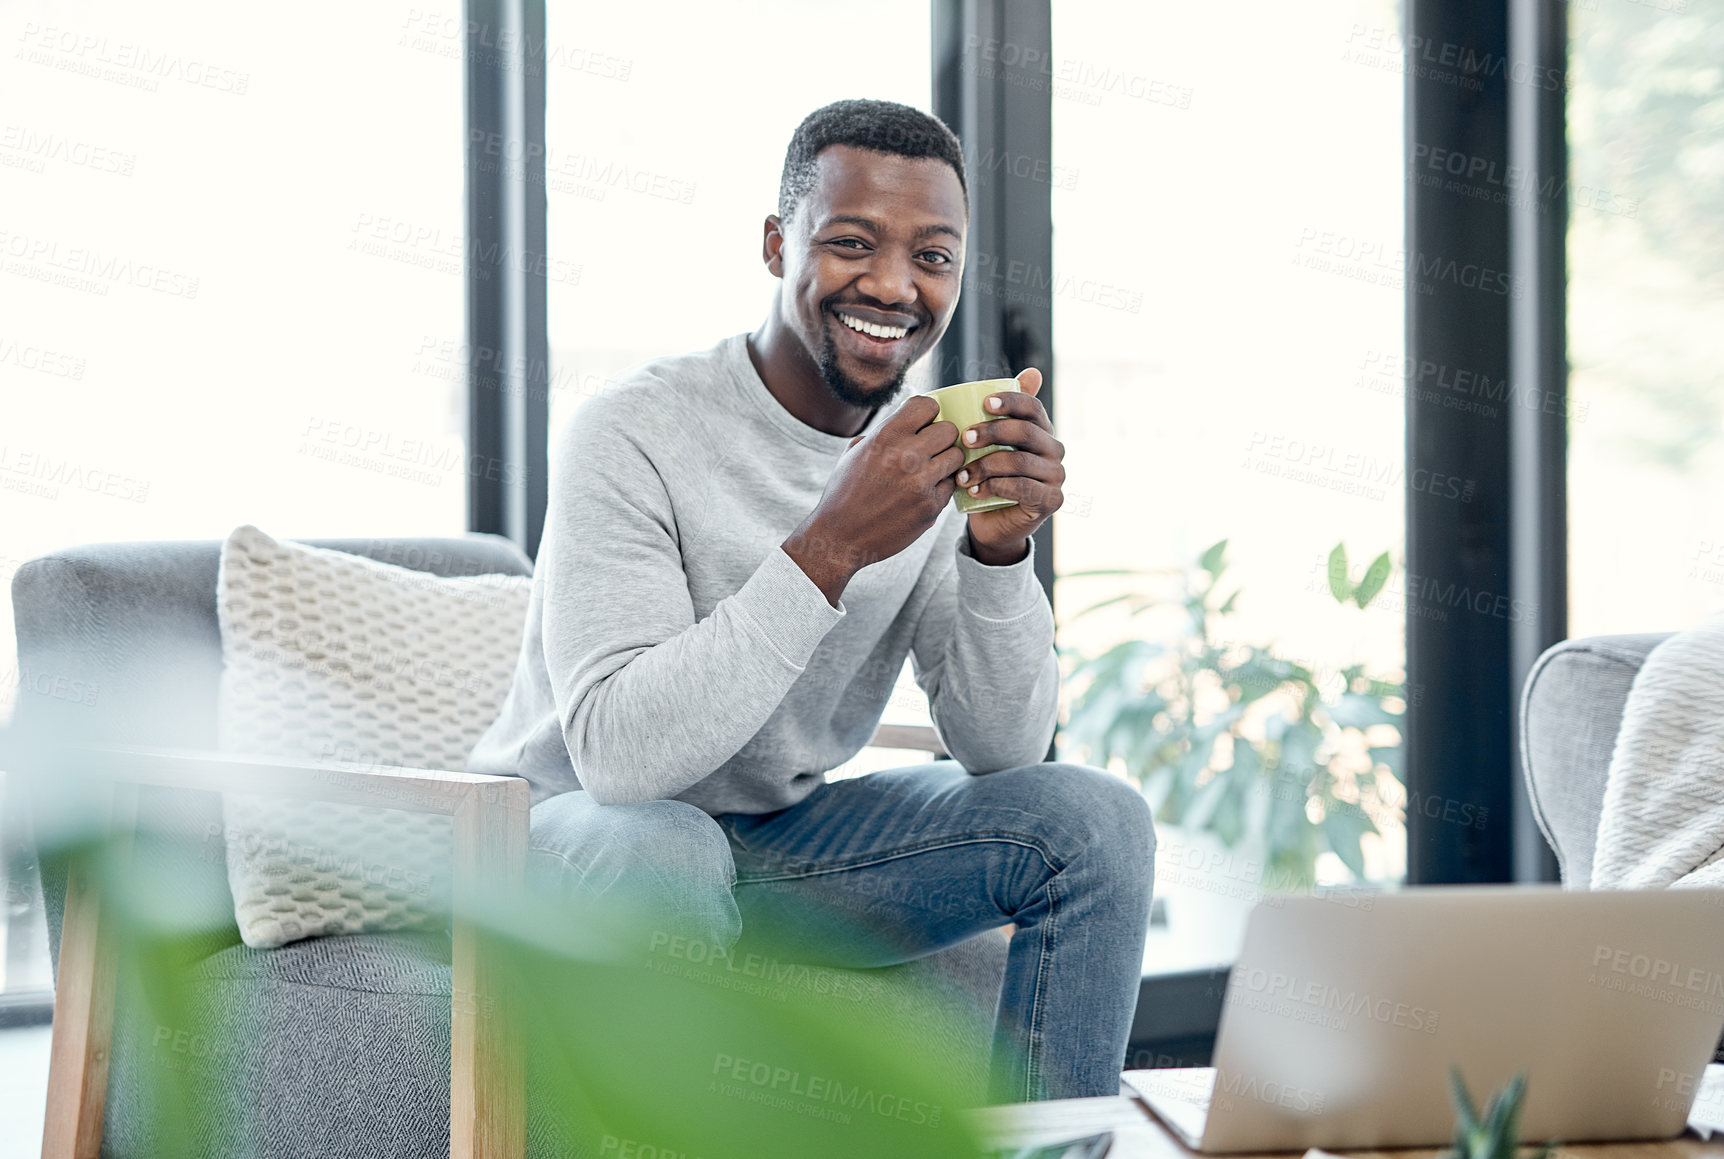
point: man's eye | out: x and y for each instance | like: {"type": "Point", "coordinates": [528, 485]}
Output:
{"type": "Point", "coordinates": [937, 257]}
{"type": "Point", "coordinates": [848, 241]}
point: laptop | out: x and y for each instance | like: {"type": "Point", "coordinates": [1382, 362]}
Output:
{"type": "Point", "coordinates": [1344, 1012]}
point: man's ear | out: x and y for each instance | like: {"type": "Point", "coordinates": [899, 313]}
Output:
{"type": "Point", "coordinates": [772, 245]}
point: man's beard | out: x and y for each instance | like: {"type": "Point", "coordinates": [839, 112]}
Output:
{"type": "Point", "coordinates": [847, 389]}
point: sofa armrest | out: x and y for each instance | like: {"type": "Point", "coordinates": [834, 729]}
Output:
{"type": "Point", "coordinates": [339, 782]}
{"type": "Point", "coordinates": [1570, 712]}
{"type": "Point", "coordinates": [908, 736]}
{"type": "Point", "coordinates": [487, 1108]}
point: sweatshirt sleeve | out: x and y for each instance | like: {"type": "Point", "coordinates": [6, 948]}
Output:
{"type": "Point", "coordinates": [651, 702]}
{"type": "Point", "coordinates": [983, 652]}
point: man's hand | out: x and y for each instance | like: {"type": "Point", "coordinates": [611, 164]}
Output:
{"type": "Point", "coordinates": [1031, 474]}
{"type": "Point", "coordinates": [887, 489]}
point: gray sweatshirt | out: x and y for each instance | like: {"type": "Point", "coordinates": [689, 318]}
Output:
{"type": "Point", "coordinates": [673, 650]}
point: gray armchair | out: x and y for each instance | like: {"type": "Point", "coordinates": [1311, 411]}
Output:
{"type": "Point", "coordinates": [349, 1052]}
{"type": "Point", "coordinates": [1571, 710]}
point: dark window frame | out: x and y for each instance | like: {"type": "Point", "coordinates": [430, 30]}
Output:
{"type": "Point", "coordinates": [1000, 106]}
{"type": "Point", "coordinates": [508, 397]}
{"type": "Point", "coordinates": [1486, 579]}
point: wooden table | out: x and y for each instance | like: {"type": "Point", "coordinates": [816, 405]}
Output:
{"type": "Point", "coordinates": [1137, 1134]}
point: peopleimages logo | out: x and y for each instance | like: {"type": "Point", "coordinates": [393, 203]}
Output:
{"type": "Point", "coordinates": [1320, 996]}
{"type": "Point", "coordinates": [1657, 979]}
{"type": "Point", "coordinates": [1659, 971]}
{"type": "Point", "coordinates": [811, 979]}
{"type": "Point", "coordinates": [784, 1083]}
{"type": "Point", "coordinates": [1229, 1085]}
{"type": "Point", "coordinates": [1433, 381]}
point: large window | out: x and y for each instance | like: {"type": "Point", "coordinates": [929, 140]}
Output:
{"type": "Point", "coordinates": [662, 163]}
{"type": "Point", "coordinates": [1646, 315]}
{"type": "Point", "coordinates": [230, 284]}
{"type": "Point", "coordinates": [1228, 333]}
{"type": "Point", "coordinates": [663, 155]}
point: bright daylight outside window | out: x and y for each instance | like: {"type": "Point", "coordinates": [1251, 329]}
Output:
{"type": "Point", "coordinates": [656, 196]}
{"type": "Point", "coordinates": [1645, 315]}
{"type": "Point", "coordinates": [231, 293]}
{"type": "Point", "coordinates": [1227, 301]}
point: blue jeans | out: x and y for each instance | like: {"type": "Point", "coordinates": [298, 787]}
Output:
{"type": "Point", "coordinates": [891, 866]}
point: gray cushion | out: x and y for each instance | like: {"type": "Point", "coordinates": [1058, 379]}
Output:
{"type": "Point", "coordinates": [339, 1048]}
{"type": "Point", "coordinates": [329, 1047]}
{"type": "Point", "coordinates": [1571, 710]}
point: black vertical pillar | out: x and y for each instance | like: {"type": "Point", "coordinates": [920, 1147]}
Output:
{"type": "Point", "coordinates": [1538, 429]}
{"type": "Point", "coordinates": [993, 84]}
{"type": "Point", "coordinates": [505, 262]}
{"type": "Point", "coordinates": [1461, 609]}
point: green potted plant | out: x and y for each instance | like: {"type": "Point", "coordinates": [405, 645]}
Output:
{"type": "Point", "coordinates": [1496, 1133]}
{"type": "Point", "coordinates": [1269, 759]}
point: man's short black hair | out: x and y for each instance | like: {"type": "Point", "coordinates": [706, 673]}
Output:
{"type": "Point", "coordinates": [883, 126]}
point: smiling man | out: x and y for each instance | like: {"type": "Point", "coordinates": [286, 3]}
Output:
{"type": "Point", "coordinates": [742, 547]}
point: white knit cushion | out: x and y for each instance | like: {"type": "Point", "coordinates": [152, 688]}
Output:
{"type": "Point", "coordinates": [332, 656]}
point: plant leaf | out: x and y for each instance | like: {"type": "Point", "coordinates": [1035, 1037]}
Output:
{"type": "Point", "coordinates": [1469, 1118]}
{"type": "Point", "coordinates": [1298, 751]}
{"type": "Point", "coordinates": [1389, 755]}
{"type": "Point", "coordinates": [1228, 820]}
{"type": "Point", "coordinates": [1247, 768]}
{"type": "Point", "coordinates": [1339, 586]}
{"type": "Point", "coordinates": [1201, 807]}
{"type": "Point", "coordinates": [1100, 604]}
{"type": "Point", "coordinates": [1356, 710]}
{"type": "Point", "coordinates": [1375, 577]}
{"type": "Point", "coordinates": [1508, 1129]}
{"type": "Point", "coordinates": [1211, 561]}
{"type": "Point", "coordinates": [1113, 571]}
{"type": "Point", "coordinates": [1108, 666]}
{"type": "Point", "coordinates": [1343, 824]}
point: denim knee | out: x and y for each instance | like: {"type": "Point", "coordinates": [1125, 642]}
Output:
{"type": "Point", "coordinates": [665, 865]}
{"type": "Point", "coordinates": [1088, 812]}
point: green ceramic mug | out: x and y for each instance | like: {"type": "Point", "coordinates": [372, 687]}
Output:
{"type": "Point", "coordinates": [962, 404]}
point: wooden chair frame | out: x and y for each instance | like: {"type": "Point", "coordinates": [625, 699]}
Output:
{"type": "Point", "coordinates": [487, 1085]}
{"type": "Point", "coordinates": [487, 1106]}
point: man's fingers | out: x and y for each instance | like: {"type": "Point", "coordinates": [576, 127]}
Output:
{"type": "Point", "coordinates": [916, 412]}
{"type": "Point", "coordinates": [929, 440]}
{"type": "Point", "coordinates": [1018, 404]}
{"type": "Point", "coordinates": [1032, 495]}
{"type": "Point", "coordinates": [1019, 433]}
{"type": "Point", "coordinates": [1007, 463]}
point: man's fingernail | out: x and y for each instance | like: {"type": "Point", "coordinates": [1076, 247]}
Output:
{"type": "Point", "coordinates": [993, 404]}
{"type": "Point", "coordinates": [969, 436]}
{"type": "Point", "coordinates": [963, 476]}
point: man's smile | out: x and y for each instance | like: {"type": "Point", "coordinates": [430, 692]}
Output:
{"type": "Point", "coordinates": [870, 334]}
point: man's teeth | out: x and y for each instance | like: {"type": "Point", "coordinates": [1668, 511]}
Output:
{"type": "Point", "coordinates": [871, 328]}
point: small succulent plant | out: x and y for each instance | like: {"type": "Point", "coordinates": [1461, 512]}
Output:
{"type": "Point", "coordinates": [1496, 1134]}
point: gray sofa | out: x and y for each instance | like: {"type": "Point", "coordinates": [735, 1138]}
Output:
{"type": "Point", "coordinates": [1571, 709]}
{"type": "Point", "coordinates": [349, 1048]}
{"type": "Point", "coordinates": [1570, 712]}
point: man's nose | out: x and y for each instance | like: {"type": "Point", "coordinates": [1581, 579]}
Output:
{"type": "Point", "coordinates": [890, 279]}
